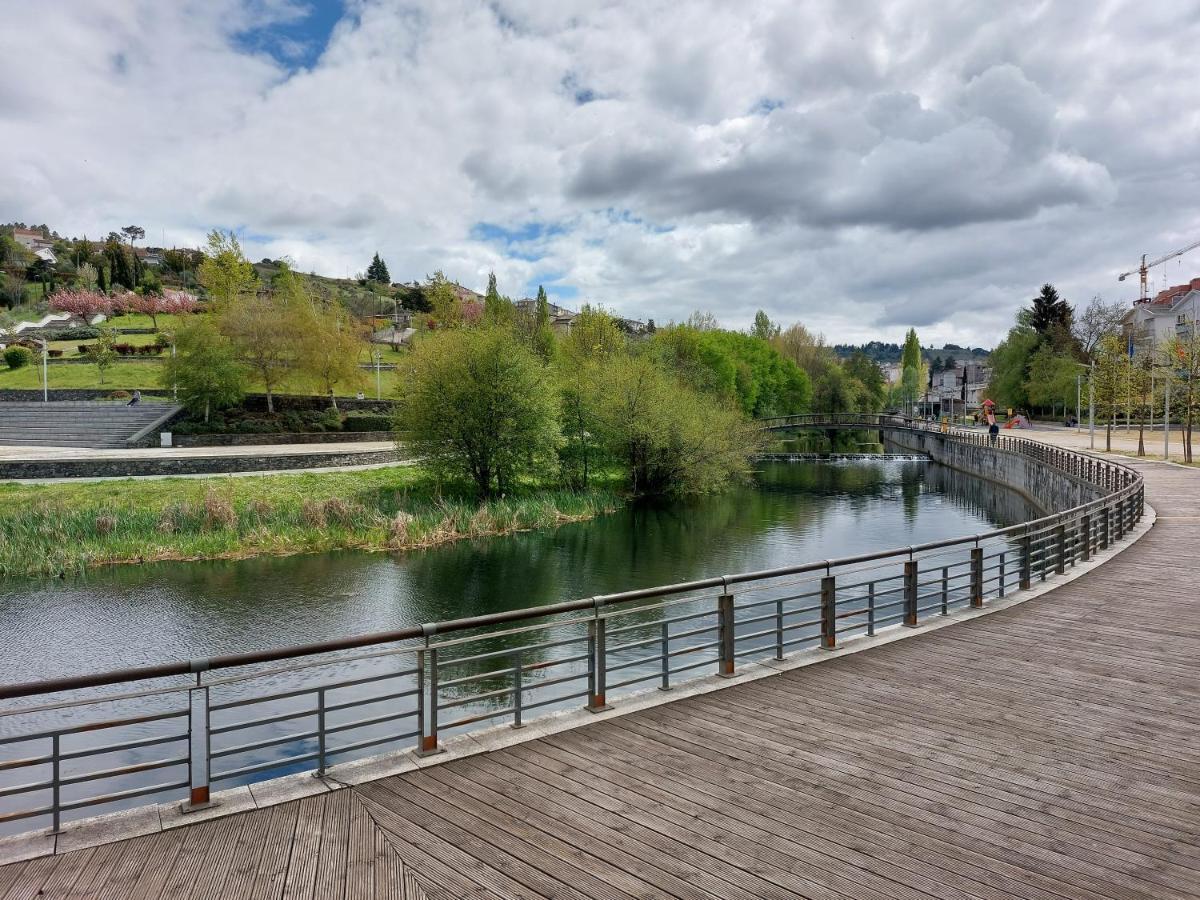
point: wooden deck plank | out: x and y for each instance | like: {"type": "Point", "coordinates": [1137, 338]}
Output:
{"type": "Point", "coordinates": [271, 874]}
{"type": "Point", "coordinates": [306, 845]}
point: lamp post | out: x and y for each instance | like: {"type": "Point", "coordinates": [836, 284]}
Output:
{"type": "Point", "coordinates": [1078, 389]}
{"type": "Point", "coordinates": [45, 370]}
{"type": "Point", "coordinates": [376, 354]}
{"type": "Point", "coordinates": [1092, 404]}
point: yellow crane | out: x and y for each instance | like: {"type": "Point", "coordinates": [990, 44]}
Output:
{"type": "Point", "coordinates": [1144, 269]}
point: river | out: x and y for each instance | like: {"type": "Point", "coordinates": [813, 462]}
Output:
{"type": "Point", "coordinates": [793, 512]}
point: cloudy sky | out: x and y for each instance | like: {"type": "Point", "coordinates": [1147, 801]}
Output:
{"type": "Point", "coordinates": [859, 167]}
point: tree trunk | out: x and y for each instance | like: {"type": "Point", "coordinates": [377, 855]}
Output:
{"type": "Point", "coordinates": [332, 399]}
{"type": "Point", "coordinates": [1142, 436]}
{"type": "Point", "coordinates": [206, 403]}
{"type": "Point", "coordinates": [1108, 436]}
{"type": "Point", "coordinates": [270, 401]}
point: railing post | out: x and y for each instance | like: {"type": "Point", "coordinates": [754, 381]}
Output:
{"type": "Point", "coordinates": [829, 613]}
{"type": "Point", "coordinates": [1060, 549]}
{"type": "Point", "coordinates": [1026, 577]}
{"type": "Point", "coordinates": [779, 629]}
{"type": "Point", "coordinates": [910, 593]}
{"type": "Point", "coordinates": [199, 746]}
{"type": "Point", "coordinates": [55, 786]}
{"type": "Point", "coordinates": [871, 609]}
{"type": "Point", "coordinates": [598, 676]}
{"type": "Point", "coordinates": [518, 691]}
{"type": "Point", "coordinates": [1000, 581]}
{"type": "Point", "coordinates": [420, 700]}
{"type": "Point", "coordinates": [945, 590]}
{"type": "Point", "coordinates": [977, 577]}
{"type": "Point", "coordinates": [1085, 525]}
{"type": "Point", "coordinates": [429, 739]}
{"type": "Point", "coordinates": [666, 658]}
{"type": "Point", "coordinates": [725, 632]}
{"type": "Point", "coordinates": [320, 773]}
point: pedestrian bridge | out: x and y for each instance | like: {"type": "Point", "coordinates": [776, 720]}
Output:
{"type": "Point", "coordinates": [1005, 714]}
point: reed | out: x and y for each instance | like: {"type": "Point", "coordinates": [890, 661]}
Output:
{"type": "Point", "coordinates": [62, 529]}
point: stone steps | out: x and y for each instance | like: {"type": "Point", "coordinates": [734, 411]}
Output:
{"type": "Point", "coordinates": [76, 423]}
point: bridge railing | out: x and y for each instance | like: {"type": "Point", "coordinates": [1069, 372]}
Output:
{"type": "Point", "coordinates": [96, 743]}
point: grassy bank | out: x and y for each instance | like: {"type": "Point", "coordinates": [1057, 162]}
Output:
{"type": "Point", "coordinates": [60, 529]}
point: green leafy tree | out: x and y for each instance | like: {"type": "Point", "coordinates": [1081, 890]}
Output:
{"type": "Point", "coordinates": [914, 374]}
{"type": "Point", "coordinates": [669, 437]}
{"type": "Point", "coordinates": [764, 329]}
{"type": "Point", "coordinates": [872, 382]}
{"type": "Point", "coordinates": [498, 311]}
{"type": "Point", "coordinates": [1111, 381]}
{"type": "Point", "coordinates": [445, 305]}
{"type": "Point", "coordinates": [265, 329]}
{"type": "Point", "coordinates": [102, 352]}
{"type": "Point", "coordinates": [1010, 367]}
{"type": "Point", "coordinates": [477, 403]}
{"type": "Point", "coordinates": [225, 273]}
{"type": "Point", "coordinates": [330, 344]}
{"type": "Point", "coordinates": [594, 335]}
{"type": "Point", "coordinates": [204, 370]}
{"type": "Point", "coordinates": [1181, 356]}
{"type": "Point", "coordinates": [1051, 378]}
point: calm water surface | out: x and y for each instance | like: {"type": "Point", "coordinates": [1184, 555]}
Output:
{"type": "Point", "coordinates": [795, 512]}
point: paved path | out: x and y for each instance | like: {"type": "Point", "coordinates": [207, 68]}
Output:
{"type": "Point", "coordinates": [1047, 751]}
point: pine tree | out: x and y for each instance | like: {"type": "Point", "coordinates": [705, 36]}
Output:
{"type": "Point", "coordinates": [377, 271]}
{"type": "Point", "coordinates": [497, 310]}
{"type": "Point", "coordinates": [1051, 316]}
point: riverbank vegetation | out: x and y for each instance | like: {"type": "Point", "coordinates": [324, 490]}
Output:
{"type": "Point", "coordinates": [65, 528]}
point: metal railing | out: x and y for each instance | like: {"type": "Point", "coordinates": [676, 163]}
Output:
{"type": "Point", "coordinates": [179, 730]}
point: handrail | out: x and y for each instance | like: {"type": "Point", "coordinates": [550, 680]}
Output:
{"type": "Point", "coordinates": [55, 685]}
{"type": "Point", "coordinates": [537, 662]}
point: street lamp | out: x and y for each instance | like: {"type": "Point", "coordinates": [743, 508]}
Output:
{"type": "Point", "coordinates": [45, 369]}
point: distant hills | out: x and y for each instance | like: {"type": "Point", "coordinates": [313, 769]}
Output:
{"type": "Point", "coordinates": [882, 352]}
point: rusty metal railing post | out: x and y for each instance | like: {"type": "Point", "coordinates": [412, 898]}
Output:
{"type": "Point", "coordinates": [725, 632]}
{"type": "Point", "coordinates": [429, 687]}
{"type": "Point", "coordinates": [977, 577]}
{"type": "Point", "coordinates": [598, 665]}
{"type": "Point", "coordinates": [199, 747]}
{"type": "Point", "coordinates": [910, 593]}
{"type": "Point", "coordinates": [829, 612]}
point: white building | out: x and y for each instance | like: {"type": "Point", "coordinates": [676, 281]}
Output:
{"type": "Point", "coordinates": [1170, 313]}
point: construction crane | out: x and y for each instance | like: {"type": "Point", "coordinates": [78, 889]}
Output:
{"type": "Point", "coordinates": [1144, 269]}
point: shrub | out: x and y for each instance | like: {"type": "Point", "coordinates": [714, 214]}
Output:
{"type": "Point", "coordinates": [218, 512]}
{"type": "Point", "coordinates": [119, 395]}
{"type": "Point", "coordinates": [330, 420]}
{"type": "Point", "coordinates": [18, 357]}
{"type": "Point", "coordinates": [54, 354]}
{"type": "Point", "coordinates": [367, 423]}
{"type": "Point", "coordinates": [83, 349]}
{"type": "Point", "coordinates": [79, 333]}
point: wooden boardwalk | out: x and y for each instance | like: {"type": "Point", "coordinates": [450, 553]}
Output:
{"type": "Point", "coordinates": [1047, 751]}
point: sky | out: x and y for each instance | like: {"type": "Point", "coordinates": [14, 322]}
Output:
{"type": "Point", "coordinates": [857, 167]}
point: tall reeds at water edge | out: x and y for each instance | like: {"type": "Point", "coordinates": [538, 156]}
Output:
{"type": "Point", "coordinates": [64, 529]}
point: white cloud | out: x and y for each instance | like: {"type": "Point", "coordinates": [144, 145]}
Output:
{"type": "Point", "coordinates": [857, 166]}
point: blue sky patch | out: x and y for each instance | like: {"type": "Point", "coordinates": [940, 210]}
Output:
{"type": "Point", "coordinates": [296, 42]}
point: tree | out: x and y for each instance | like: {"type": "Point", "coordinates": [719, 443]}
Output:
{"type": "Point", "coordinates": [477, 403]}
{"type": "Point", "coordinates": [873, 382]}
{"type": "Point", "coordinates": [914, 375]}
{"type": "Point", "coordinates": [377, 271]}
{"type": "Point", "coordinates": [330, 344]}
{"type": "Point", "coordinates": [133, 233]}
{"type": "Point", "coordinates": [204, 369]}
{"type": "Point", "coordinates": [225, 273]}
{"type": "Point", "coordinates": [1181, 356]}
{"type": "Point", "coordinates": [445, 305]}
{"type": "Point", "coordinates": [594, 335]}
{"type": "Point", "coordinates": [669, 437]}
{"type": "Point", "coordinates": [1110, 381]}
{"type": "Point", "coordinates": [1098, 319]}
{"type": "Point", "coordinates": [265, 330]}
{"type": "Point", "coordinates": [703, 321]}
{"type": "Point", "coordinates": [1010, 367]}
{"type": "Point", "coordinates": [84, 304]}
{"type": "Point", "coordinates": [1052, 318]}
{"type": "Point", "coordinates": [155, 305]}
{"type": "Point", "coordinates": [123, 267]}
{"type": "Point", "coordinates": [497, 310]}
{"type": "Point", "coordinates": [102, 351]}
{"type": "Point", "coordinates": [1052, 379]}
{"type": "Point", "coordinates": [764, 329]}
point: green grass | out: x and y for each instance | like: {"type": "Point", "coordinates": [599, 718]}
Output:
{"type": "Point", "coordinates": [56, 529]}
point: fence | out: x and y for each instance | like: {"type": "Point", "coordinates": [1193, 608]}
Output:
{"type": "Point", "coordinates": [100, 742]}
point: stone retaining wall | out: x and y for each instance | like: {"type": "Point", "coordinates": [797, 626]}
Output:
{"type": "Point", "coordinates": [1048, 488]}
{"type": "Point", "coordinates": [256, 440]}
